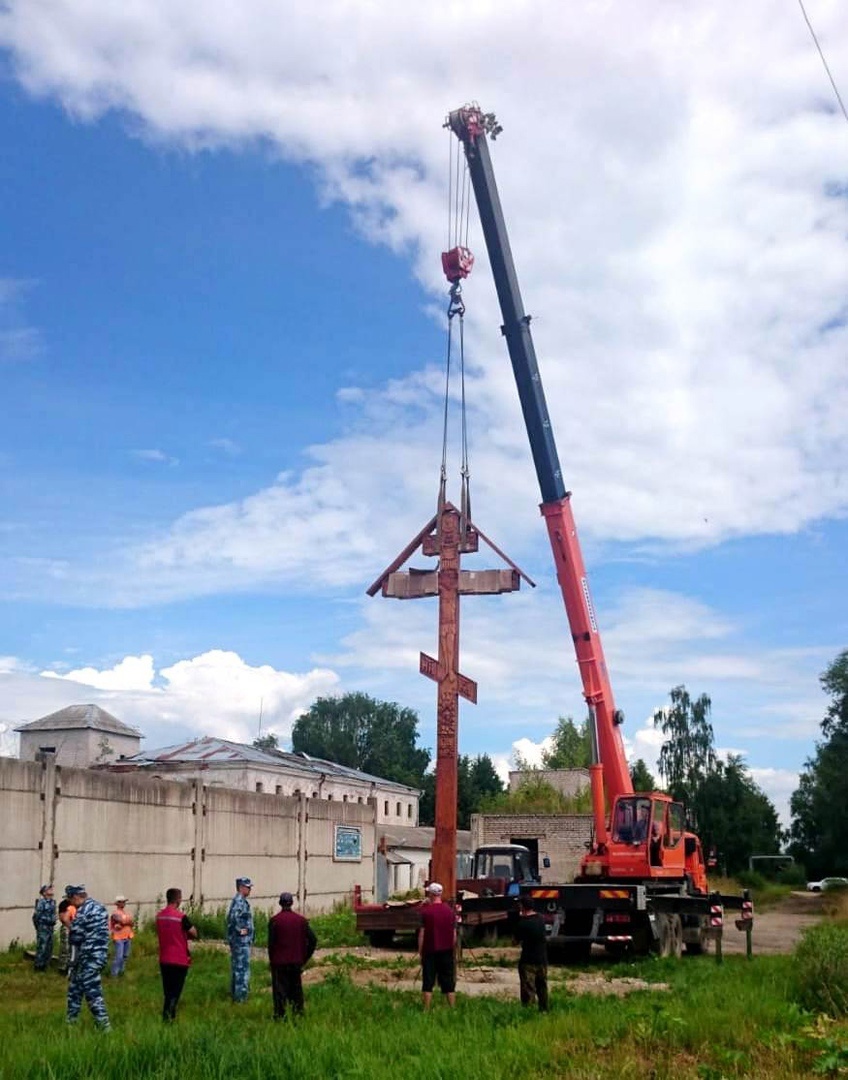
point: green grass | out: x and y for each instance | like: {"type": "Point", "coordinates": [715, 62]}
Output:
{"type": "Point", "coordinates": [334, 929]}
{"type": "Point", "coordinates": [733, 1020]}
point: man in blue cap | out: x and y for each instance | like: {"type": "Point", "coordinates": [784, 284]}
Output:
{"type": "Point", "coordinates": [89, 937]}
{"type": "Point", "coordinates": [291, 941]}
{"type": "Point", "coordinates": [240, 937]}
{"type": "Point", "coordinates": [44, 919]}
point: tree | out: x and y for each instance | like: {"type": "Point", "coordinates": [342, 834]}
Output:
{"type": "Point", "coordinates": [377, 737]}
{"type": "Point", "coordinates": [641, 777]}
{"type": "Point", "coordinates": [535, 795]}
{"type": "Point", "coordinates": [735, 815]}
{"type": "Point", "coordinates": [687, 756]}
{"type": "Point", "coordinates": [268, 742]}
{"type": "Point", "coordinates": [477, 781]}
{"type": "Point", "coordinates": [571, 746]}
{"type": "Point", "coordinates": [820, 804]}
{"type": "Point", "coordinates": [728, 808]}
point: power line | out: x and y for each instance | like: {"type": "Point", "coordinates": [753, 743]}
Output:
{"type": "Point", "coordinates": [821, 54]}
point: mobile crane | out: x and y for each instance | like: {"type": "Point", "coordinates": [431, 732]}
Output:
{"type": "Point", "coordinates": [642, 883]}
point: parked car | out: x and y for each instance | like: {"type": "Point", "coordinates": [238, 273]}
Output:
{"type": "Point", "coordinates": [827, 883]}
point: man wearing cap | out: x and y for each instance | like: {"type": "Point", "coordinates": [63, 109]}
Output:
{"type": "Point", "coordinates": [44, 919]}
{"type": "Point", "coordinates": [240, 937]}
{"type": "Point", "coordinates": [121, 927]}
{"type": "Point", "coordinates": [89, 938]}
{"type": "Point", "coordinates": [291, 942]}
{"type": "Point", "coordinates": [66, 911]}
{"type": "Point", "coordinates": [436, 946]}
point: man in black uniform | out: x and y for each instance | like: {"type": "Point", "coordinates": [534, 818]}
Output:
{"type": "Point", "coordinates": [531, 935]}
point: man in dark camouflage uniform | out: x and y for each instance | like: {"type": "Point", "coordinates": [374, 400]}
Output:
{"type": "Point", "coordinates": [240, 937]}
{"type": "Point", "coordinates": [89, 937]}
{"type": "Point", "coordinates": [44, 919]}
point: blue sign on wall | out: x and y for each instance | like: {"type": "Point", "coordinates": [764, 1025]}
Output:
{"type": "Point", "coordinates": [348, 844]}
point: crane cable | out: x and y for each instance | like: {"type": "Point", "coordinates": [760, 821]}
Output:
{"type": "Point", "coordinates": [459, 203]}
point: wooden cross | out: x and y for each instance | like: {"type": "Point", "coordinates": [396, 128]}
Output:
{"type": "Point", "coordinates": [448, 537]}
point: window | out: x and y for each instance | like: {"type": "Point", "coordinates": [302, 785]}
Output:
{"type": "Point", "coordinates": [260, 786]}
{"type": "Point", "coordinates": [314, 794]}
{"type": "Point", "coordinates": [278, 790]}
{"type": "Point", "coordinates": [359, 800]}
{"type": "Point", "coordinates": [344, 798]}
{"type": "Point", "coordinates": [409, 811]}
{"type": "Point", "coordinates": [386, 807]}
{"type": "Point", "coordinates": [296, 792]}
{"type": "Point", "coordinates": [330, 797]}
{"type": "Point", "coordinates": [397, 809]}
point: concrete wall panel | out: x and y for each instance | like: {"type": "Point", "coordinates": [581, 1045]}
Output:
{"type": "Point", "coordinates": [118, 832]}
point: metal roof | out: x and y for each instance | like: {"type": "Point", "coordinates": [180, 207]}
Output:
{"type": "Point", "coordinates": [210, 750]}
{"type": "Point", "coordinates": [419, 837]}
{"type": "Point", "coordinates": [76, 717]}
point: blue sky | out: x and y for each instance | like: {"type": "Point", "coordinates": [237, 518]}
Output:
{"type": "Point", "coordinates": [221, 349]}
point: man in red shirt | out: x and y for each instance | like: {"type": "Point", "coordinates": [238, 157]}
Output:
{"type": "Point", "coordinates": [173, 929]}
{"type": "Point", "coordinates": [436, 946]}
{"type": "Point", "coordinates": [291, 941]}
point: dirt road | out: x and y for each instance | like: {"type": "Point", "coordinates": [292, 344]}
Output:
{"type": "Point", "coordinates": [482, 972]}
{"type": "Point", "coordinates": [778, 929]}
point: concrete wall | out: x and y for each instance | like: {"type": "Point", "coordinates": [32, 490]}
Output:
{"type": "Point", "coordinates": [139, 836]}
{"type": "Point", "coordinates": [562, 837]}
{"type": "Point", "coordinates": [78, 747]}
{"type": "Point", "coordinates": [569, 782]}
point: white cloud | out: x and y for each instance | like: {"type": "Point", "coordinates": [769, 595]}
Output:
{"type": "Point", "coordinates": [215, 693]}
{"type": "Point", "coordinates": [131, 673]}
{"type": "Point", "coordinates": [227, 446]}
{"type": "Point", "coordinates": [155, 456]}
{"type": "Point", "coordinates": [677, 224]}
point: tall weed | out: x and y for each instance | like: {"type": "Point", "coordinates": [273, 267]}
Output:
{"type": "Point", "coordinates": [821, 973]}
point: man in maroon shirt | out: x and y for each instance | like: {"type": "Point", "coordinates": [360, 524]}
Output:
{"type": "Point", "coordinates": [173, 929]}
{"type": "Point", "coordinates": [436, 946]}
{"type": "Point", "coordinates": [291, 941]}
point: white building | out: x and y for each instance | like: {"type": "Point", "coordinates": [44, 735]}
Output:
{"type": "Point", "coordinates": [218, 762]}
{"type": "Point", "coordinates": [80, 736]}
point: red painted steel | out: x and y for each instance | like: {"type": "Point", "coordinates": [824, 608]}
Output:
{"type": "Point", "coordinates": [574, 585]}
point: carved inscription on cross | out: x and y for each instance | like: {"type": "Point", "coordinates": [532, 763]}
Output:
{"type": "Point", "coordinates": [445, 538]}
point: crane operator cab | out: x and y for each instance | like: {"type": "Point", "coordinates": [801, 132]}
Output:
{"type": "Point", "coordinates": [647, 836]}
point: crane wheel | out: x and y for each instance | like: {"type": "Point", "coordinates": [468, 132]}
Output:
{"type": "Point", "coordinates": [670, 930]}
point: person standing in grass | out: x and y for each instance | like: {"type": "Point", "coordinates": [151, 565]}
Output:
{"type": "Point", "coordinates": [173, 929]}
{"type": "Point", "coordinates": [291, 942]}
{"type": "Point", "coordinates": [89, 937]}
{"type": "Point", "coordinates": [531, 935]}
{"type": "Point", "coordinates": [240, 937]}
{"type": "Point", "coordinates": [437, 947]}
{"type": "Point", "coordinates": [121, 926]}
{"type": "Point", "coordinates": [67, 911]}
{"type": "Point", "coordinates": [44, 919]}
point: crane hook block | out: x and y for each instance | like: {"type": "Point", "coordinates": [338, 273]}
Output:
{"type": "Point", "coordinates": [457, 263]}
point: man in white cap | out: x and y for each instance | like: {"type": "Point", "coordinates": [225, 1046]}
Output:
{"type": "Point", "coordinates": [437, 946]}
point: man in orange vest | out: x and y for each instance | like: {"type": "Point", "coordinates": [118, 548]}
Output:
{"type": "Point", "coordinates": [121, 926]}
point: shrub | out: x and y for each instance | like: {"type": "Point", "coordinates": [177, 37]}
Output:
{"type": "Point", "coordinates": [821, 970]}
{"type": "Point", "coordinates": [751, 879]}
